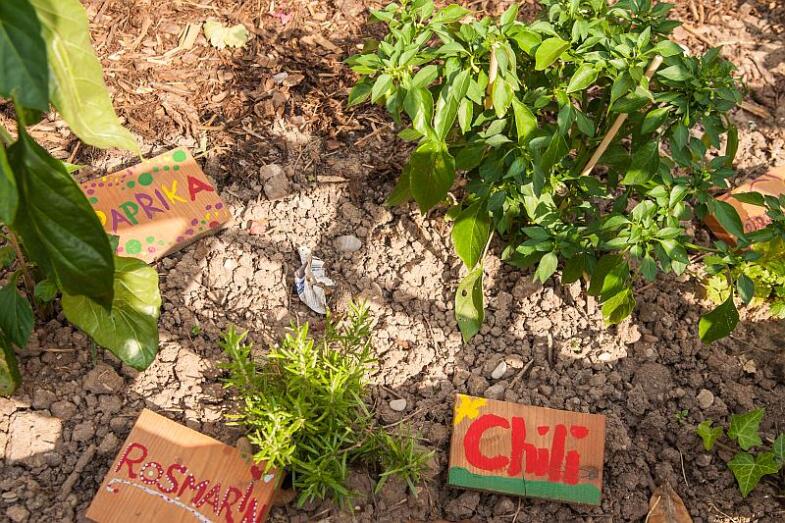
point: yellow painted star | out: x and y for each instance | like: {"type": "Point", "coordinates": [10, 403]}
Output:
{"type": "Point", "coordinates": [468, 407]}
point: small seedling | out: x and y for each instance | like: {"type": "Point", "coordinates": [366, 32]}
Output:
{"type": "Point", "coordinates": [196, 330]}
{"type": "Point", "coordinates": [304, 409]}
{"type": "Point", "coordinates": [682, 415]}
{"type": "Point", "coordinates": [748, 466]}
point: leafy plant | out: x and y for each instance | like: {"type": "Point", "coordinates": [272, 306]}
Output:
{"type": "Point", "coordinates": [304, 408]}
{"type": "Point", "coordinates": [526, 111]}
{"type": "Point", "coordinates": [53, 239]}
{"type": "Point", "coordinates": [744, 429]}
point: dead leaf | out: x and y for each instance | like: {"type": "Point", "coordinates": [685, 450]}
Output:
{"type": "Point", "coordinates": [665, 506]}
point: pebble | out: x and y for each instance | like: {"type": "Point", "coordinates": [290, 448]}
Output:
{"type": "Point", "coordinates": [503, 507]}
{"type": "Point", "coordinates": [398, 405]}
{"type": "Point", "coordinates": [495, 392]}
{"type": "Point", "coordinates": [500, 370]}
{"type": "Point", "coordinates": [705, 399]}
{"type": "Point", "coordinates": [102, 379]}
{"type": "Point", "coordinates": [83, 431]}
{"type": "Point", "coordinates": [108, 444]}
{"type": "Point", "coordinates": [348, 243]}
{"type": "Point", "coordinates": [268, 171]}
{"type": "Point", "coordinates": [17, 513]}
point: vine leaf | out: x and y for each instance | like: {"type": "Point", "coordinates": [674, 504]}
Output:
{"type": "Point", "coordinates": [708, 434]}
{"type": "Point", "coordinates": [23, 56]}
{"type": "Point", "coordinates": [749, 470]}
{"type": "Point", "coordinates": [744, 428]}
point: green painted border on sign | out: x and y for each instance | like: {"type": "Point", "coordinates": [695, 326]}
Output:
{"type": "Point", "coordinates": [582, 493]}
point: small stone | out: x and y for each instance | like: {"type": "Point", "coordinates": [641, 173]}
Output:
{"type": "Point", "coordinates": [398, 405]}
{"type": "Point", "coordinates": [83, 431]}
{"type": "Point", "coordinates": [348, 243]}
{"type": "Point", "coordinates": [605, 356]}
{"type": "Point", "coordinates": [17, 513]}
{"type": "Point", "coordinates": [103, 379]}
{"type": "Point", "coordinates": [499, 371]}
{"type": "Point", "coordinates": [495, 392]}
{"type": "Point", "coordinates": [108, 444]}
{"type": "Point", "coordinates": [270, 170]}
{"type": "Point", "coordinates": [703, 460]}
{"type": "Point", "coordinates": [705, 399]}
{"type": "Point", "coordinates": [42, 398]}
{"type": "Point", "coordinates": [503, 507]}
{"type": "Point", "coordinates": [277, 186]}
{"type": "Point", "coordinates": [463, 506]}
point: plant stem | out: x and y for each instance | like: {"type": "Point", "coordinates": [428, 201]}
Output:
{"type": "Point", "coordinates": [655, 63]}
{"type": "Point", "coordinates": [28, 279]}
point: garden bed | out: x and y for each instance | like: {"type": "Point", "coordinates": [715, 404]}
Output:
{"type": "Point", "coordinates": [238, 113]}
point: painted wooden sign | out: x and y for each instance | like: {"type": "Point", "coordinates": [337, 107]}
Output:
{"type": "Point", "coordinates": [167, 472]}
{"type": "Point", "coordinates": [527, 451]}
{"type": "Point", "coordinates": [158, 206]}
{"type": "Point", "coordinates": [752, 216]}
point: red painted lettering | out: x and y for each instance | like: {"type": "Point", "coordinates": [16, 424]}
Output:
{"type": "Point", "coordinates": [127, 460]}
{"type": "Point", "coordinates": [234, 494]}
{"type": "Point", "coordinates": [251, 516]}
{"type": "Point", "coordinates": [173, 483]}
{"type": "Point", "coordinates": [213, 497]}
{"type": "Point", "coordinates": [573, 468]}
{"type": "Point", "coordinates": [579, 431]}
{"type": "Point", "coordinates": [471, 443]}
{"type": "Point", "coordinates": [198, 488]}
{"type": "Point", "coordinates": [557, 452]}
{"type": "Point", "coordinates": [196, 186]}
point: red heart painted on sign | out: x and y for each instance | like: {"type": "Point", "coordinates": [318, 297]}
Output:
{"type": "Point", "coordinates": [256, 472]}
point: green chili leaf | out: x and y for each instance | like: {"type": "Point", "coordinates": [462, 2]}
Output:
{"type": "Point", "coordinates": [720, 322]}
{"type": "Point", "coordinates": [469, 306]}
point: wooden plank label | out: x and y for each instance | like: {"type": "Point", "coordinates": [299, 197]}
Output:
{"type": "Point", "coordinates": [158, 206]}
{"type": "Point", "coordinates": [167, 472]}
{"type": "Point", "coordinates": [527, 451]}
{"type": "Point", "coordinates": [752, 217]}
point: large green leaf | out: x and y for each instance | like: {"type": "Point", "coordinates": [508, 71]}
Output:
{"type": "Point", "coordinates": [749, 470]}
{"type": "Point", "coordinates": [525, 121]}
{"type": "Point", "coordinates": [431, 175]}
{"type": "Point", "coordinates": [470, 233]}
{"type": "Point", "coordinates": [618, 306]}
{"type": "Point", "coordinates": [23, 71]}
{"type": "Point", "coordinates": [718, 323]}
{"type": "Point", "coordinates": [76, 82]}
{"type": "Point", "coordinates": [548, 51]}
{"type": "Point", "coordinates": [745, 428]}
{"type": "Point", "coordinates": [9, 368]}
{"type": "Point", "coordinates": [583, 78]}
{"type": "Point", "coordinates": [9, 196]}
{"type": "Point", "coordinates": [728, 217]}
{"type": "Point", "coordinates": [469, 307]}
{"type": "Point", "coordinates": [130, 330]}
{"type": "Point", "coordinates": [16, 315]}
{"type": "Point", "coordinates": [58, 227]}
{"type": "Point", "coordinates": [645, 162]}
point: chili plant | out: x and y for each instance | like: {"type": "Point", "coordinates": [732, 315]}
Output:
{"type": "Point", "coordinates": [54, 240]}
{"type": "Point", "coordinates": [524, 112]}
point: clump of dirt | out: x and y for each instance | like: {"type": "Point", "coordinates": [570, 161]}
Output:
{"type": "Point", "coordinates": [276, 111]}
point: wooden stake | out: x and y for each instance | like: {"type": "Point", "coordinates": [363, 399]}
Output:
{"type": "Point", "coordinates": [655, 63]}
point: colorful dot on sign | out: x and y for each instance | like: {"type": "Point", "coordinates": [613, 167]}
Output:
{"type": "Point", "coordinates": [133, 246]}
{"type": "Point", "coordinates": [149, 239]}
{"type": "Point", "coordinates": [179, 156]}
{"type": "Point", "coordinates": [194, 222]}
{"type": "Point", "coordinates": [179, 239]}
{"type": "Point", "coordinates": [131, 184]}
{"type": "Point", "coordinates": [151, 249]}
{"type": "Point", "coordinates": [219, 205]}
{"type": "Point", "coordinates": [160, 242]}
{"type": "Point", "coordinates": [166, 167]}
{"type": "Point", "coordinates": [145, 179]}
{"type": "Point", "coordinates": [92, 184]}
{"type": "Point", "coordinates": [213, 225]}
{"type": "Point", "coordinates": [93, 200]}
{"type": "Point", "coordinates": [119, 248]}
{"type": "Point", "coordinates": [155, 169]}
{"type": "Point", "coordinates": [189, 232]}
{"type": "Point", "coordinates": [100, 184]}
{"type": "Point", "coordinates": [208, 207]}
{"type": "Point", "coordinates": [207, 216]}
{"type": "Point", "coordinates": [201, 228]}
{"type": "Point", "coordinates": [90, 191]}
{"type": "Point", "coordinates": [176, 167]}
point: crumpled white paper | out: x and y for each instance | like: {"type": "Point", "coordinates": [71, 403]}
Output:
{"type": "Point", "coordinates": [310, 281]}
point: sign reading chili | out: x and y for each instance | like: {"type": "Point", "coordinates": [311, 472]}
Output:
{"type": "Point", "coordinates": [527, 451]}
{"type": "Point", "coordinates": [158, 206]}
{"type": "Point", "coordinates": [167, 472]}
